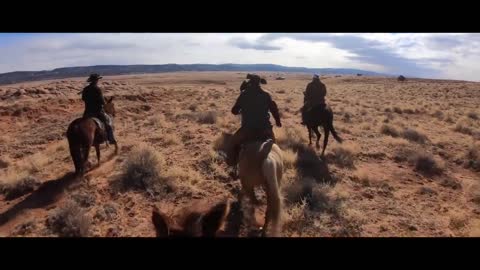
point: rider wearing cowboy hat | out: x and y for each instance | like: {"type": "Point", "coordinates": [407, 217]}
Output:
{"type": "Point", "coordinates": [254, 104]}
{"type": "Point", "coordinates": [94, 100]}
{"type": "Point", "coordinates": [314, 96]}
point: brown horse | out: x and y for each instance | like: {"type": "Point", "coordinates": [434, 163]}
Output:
{"type": "Point", "coordinates": [321, 117]}
{"type": "Point", "coordinates": [82, 133]}
{"type": "Point", "coordinates": [260, 164]}
{"type": "Point", "coordinates": [205, 223]}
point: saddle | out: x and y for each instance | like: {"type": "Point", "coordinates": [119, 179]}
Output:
{"type": "Point", "coordinates": [99, 123]}
{"type": "Point", "coordinates": [102, 136]}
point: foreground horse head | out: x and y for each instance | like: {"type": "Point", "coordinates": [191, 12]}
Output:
{"type": "Point", "coordinates": [194, 224]}
{"type": "Point", "coordinates": [260, 165]}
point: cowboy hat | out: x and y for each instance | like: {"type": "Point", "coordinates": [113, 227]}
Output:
{"type": "Point", "coordinates": [94, 77]}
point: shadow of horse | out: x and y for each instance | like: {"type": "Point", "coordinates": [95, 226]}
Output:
{"type": "Point", "coordinates": [48, 193]}
{"type": "Point", "coordinates": [309, 165]}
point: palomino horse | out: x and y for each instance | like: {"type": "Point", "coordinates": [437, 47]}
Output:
{"type": "Point", "coordinates": [259, 164]}
{"type": "Point", "coordinates": [82, 133]}
{"type": "Point", "coordinates": [321, 117]}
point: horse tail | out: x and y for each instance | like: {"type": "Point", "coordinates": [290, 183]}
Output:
{"type": "Point", "coordinates": [332, 129]}
{"type": "Point", "coordinates": [74, 145]}
{"type": "Point", "coordinates": [266, 148]}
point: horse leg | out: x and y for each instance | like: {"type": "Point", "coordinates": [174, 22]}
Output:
{"type": "Point", "coordinates": [248, 207]}
{"type": "Point", "coordinates": [325, 140]}
{"type": "Point", "coordinates": [318, 136]}
{"type": "Point", "coordinates": [274, 203]}
{"type": "Point", "coordinates": [76, 155]}
{"type": "Point", "coordinates": [86, 152]}
{"type": "Point", "coordinates": [309, 135]}
{"type": "Point", "coordinates": [97, 149]}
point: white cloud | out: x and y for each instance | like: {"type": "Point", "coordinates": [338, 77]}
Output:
{"type": "Point", "coordinates": [451, 56]}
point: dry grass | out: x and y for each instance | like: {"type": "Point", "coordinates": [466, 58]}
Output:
{"type": "Point", "coordinates": [458, 221]}
{"type": "Point", "coordinates": [389, 130]}
{"type": "Point", "coordinates": [108, 212]}
{"type": "Point", "coordinates": [409, 111]}
{"type": "Point", "coordinates": [288, 137]}
{"type": "Point", "coordinates": [344, 155]}
{"type": "Point", "coordinates": [467, 126]}
{"type": "Point", "coordinates": [209, 117]}
{"type": "Point", "coordinates": [193, 107]}
{"type": "Point", "coordinates": [4, 162]}
{"type": "Point", "coordinates": [296, 218]}
{"type": "Point", "coordinates": [396, 142]}
{"type": "Point", "coordinates": [347, 117]}
{"type": "Point", "coordinates": [438, 114]}
{"type": "Point", "coordinates": [475, 228]}
{"type": "Point", "coordinates": [419, 159]}
{"type": "Point", "coordinates": [24, 228]}
{"type": "Point", "coordinates": [83, 198]}
{"type": "Point", "coordinates": [404, 153]}
{"type": "Point", "coordinates": [475, 193]}
{"type": "Point", "coordinates": [473, 115]}
{"type": "Point", "coordinates": [414, 136]}
{"type": "Point", "coordinates": [69, 221]}
{"type": "Point", "coordinates": [183, 176]}
{"type": "Point", "coordinates": [143, 171]}
{"type": "Point", "coordinates": [449, 119]}
{"type": "Point", "coordinates": [168, 139]}
{"type": "Point", "coordinates": [158, 121]}
{"type": "Point", "coordinates": [362, 175]}
{"type": "Point", "coordinates": [289, 158]}
{"type": "Point", "coordinates": [427, 164]}
{"type": "Point", "coordinates": [397, 110]}
{"type": "Point", "coordinates": [19, 187]}
{"type": "Point", "coordinates": [472, 157]}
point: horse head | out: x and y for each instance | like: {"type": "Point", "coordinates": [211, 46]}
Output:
{"type": "Point", "coordinates": [196, 224]}
{"type": "Point", "coordinates": [110, 107]}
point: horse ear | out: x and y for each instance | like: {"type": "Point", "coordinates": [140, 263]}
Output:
{"type": "Point", "coordinates": [213, 220]}
{"type": "Point", "coordinates": [111, 99]}
{"type": "Point", "coordinates": [160, 221]}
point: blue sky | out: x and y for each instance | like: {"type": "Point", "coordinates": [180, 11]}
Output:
{"type": "Point", "coordinates": [442, 55]}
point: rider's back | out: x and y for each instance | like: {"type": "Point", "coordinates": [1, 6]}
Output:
{"type": "Point", "coordinates": [315, 93]}
{"type": "Point", "coordinates": [93, 98]}
{"type": "Point", "coordinates": [255, 106]}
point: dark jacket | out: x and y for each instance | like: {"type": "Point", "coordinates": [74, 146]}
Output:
{"type": "Point", "coordinates": [255, 104]}
{"type": "Point", "coordinates": [92, 95]}
{"type": "Point", "coordinates": [315, 93]}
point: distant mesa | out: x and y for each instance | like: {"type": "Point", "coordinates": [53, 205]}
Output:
{"type": "Point", "coordinates": [111, 70]}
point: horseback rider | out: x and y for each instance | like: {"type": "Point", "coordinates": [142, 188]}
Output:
{"type": "Point", "coordinates": [254, 104]}
{"type": "Point", "coordinates": [94, 100]}
{"type": "Point", "coordinates": [314, 96]}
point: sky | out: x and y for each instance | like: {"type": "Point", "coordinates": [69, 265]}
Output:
{"type": "Point", "coordinates": [427, 55]}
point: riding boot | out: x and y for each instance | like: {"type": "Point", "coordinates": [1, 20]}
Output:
{"type": "Point", "coordinates": [110, 136]}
